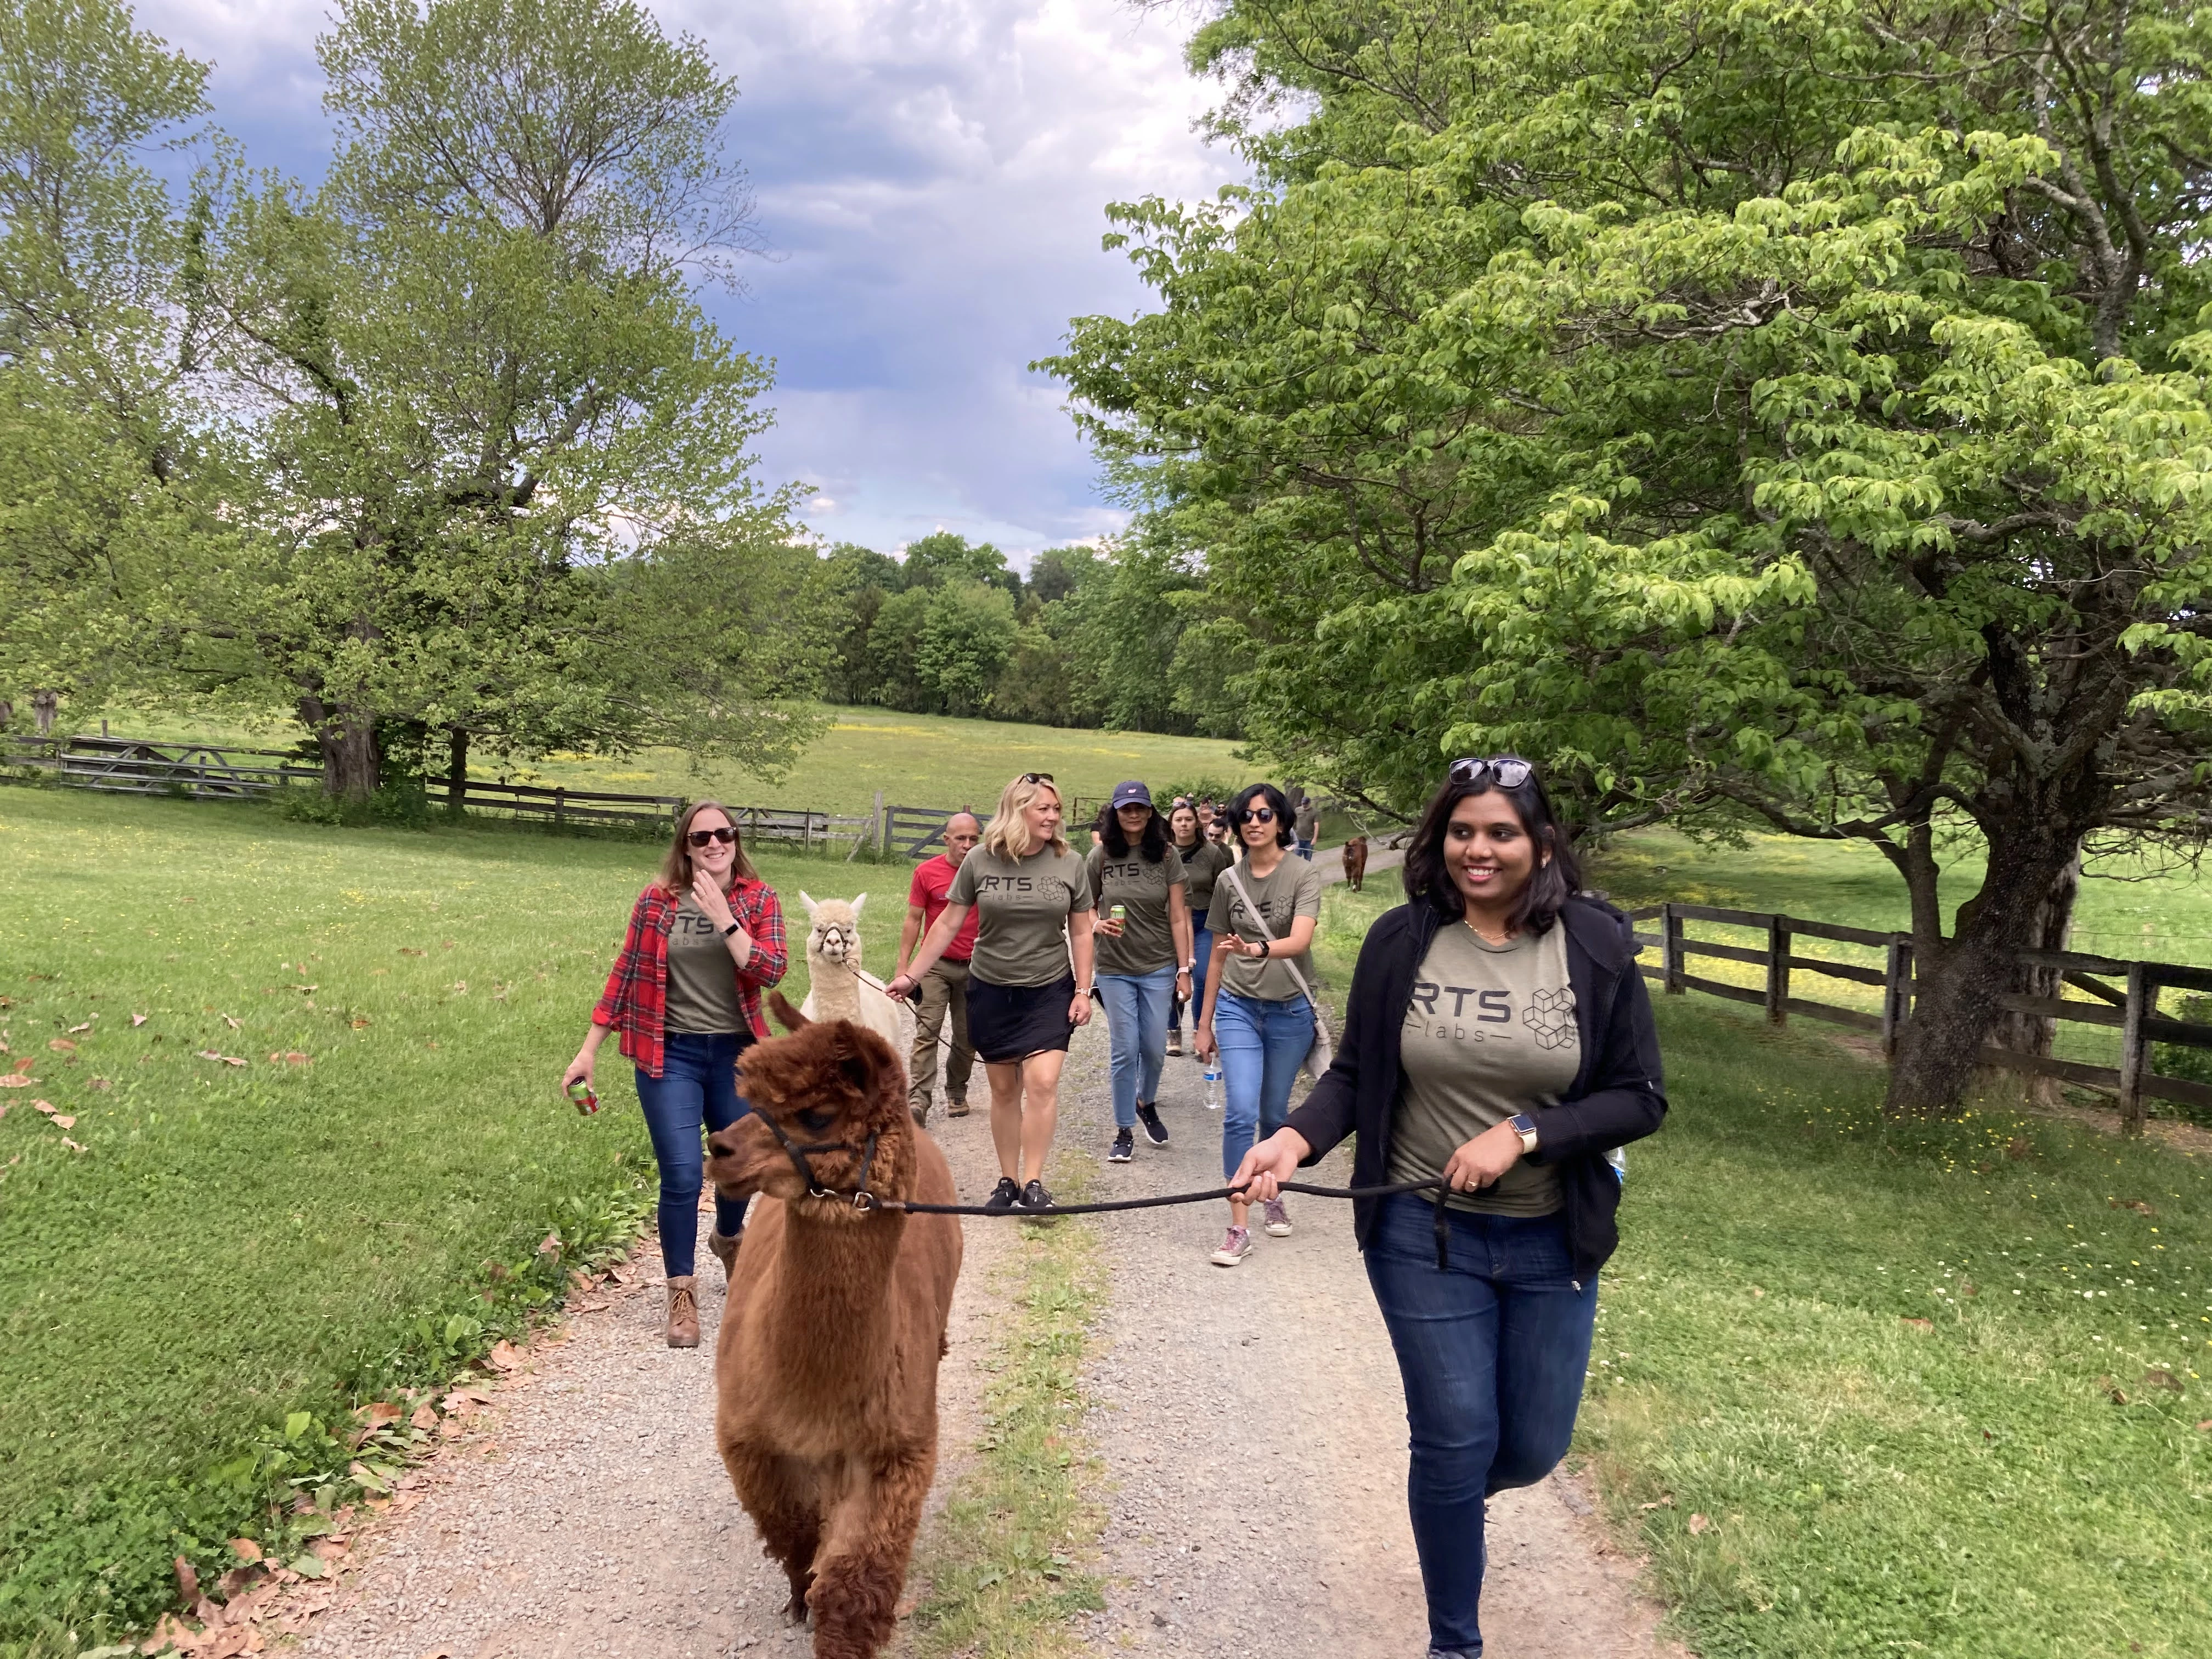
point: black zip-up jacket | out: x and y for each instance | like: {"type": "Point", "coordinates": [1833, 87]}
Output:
{"type": "Point", "coordinates": [1616, 1097]}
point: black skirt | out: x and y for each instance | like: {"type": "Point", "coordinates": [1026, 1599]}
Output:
{"type": "Point", "coordinates": [1010, 1022]}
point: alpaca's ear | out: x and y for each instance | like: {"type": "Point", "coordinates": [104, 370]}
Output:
{"type": "Point", "coordinates": [858, 1068]}
{"type": "Point", "coordinates": [857, 904]}
{"type": "Point", "coordinates": [807, 899]}
{"type": "Point", "coordinates": [786, 1016]}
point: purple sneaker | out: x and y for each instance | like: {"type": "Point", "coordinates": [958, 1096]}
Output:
{"type": "Point", "coordinates": [1236, 1245]}
{"type": "Point", "coordinates": [1278, 1219]}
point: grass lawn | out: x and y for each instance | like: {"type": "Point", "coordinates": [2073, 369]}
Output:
{"type": "Point", "coordinates": [916, 760]}
{"type": "Point", "coordinates": [1814, 1470]}
{"type": "Point", "coordinates": [237, 1243]}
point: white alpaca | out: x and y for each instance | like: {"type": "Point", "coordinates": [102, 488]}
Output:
{"type": "Point", "coordinates": [834, 987]}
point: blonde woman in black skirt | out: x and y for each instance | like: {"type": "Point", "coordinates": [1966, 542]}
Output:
{"type": "Point", "coordinates": [1028, 981]}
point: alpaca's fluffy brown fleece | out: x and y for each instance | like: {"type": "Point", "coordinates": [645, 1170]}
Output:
{"type": "Point", "coordinates": [825, 1372]}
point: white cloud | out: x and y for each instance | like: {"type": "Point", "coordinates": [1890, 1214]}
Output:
{"type": "Point", "coordinates": [933, 178]}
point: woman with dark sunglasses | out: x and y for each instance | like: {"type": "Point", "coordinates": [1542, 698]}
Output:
{"type": "Point", "coordinates": [705, 939]}
{"type": "Point", "coordinates": [1257, 1013]}
{"type": "Point", "coordinates": [1500, 1037]}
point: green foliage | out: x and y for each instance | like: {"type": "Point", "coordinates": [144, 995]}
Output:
{"type": "Point", "coordinates": [966, 635]}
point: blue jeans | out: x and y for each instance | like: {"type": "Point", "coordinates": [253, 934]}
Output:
{"type": "Point", "coordinates": [697, 1087]}
{"type": "Point", "coordinates": [1492, 1353]}
{"type": "Point", "coordinates": [1201, 939]}
{"type": "Point", "coordinates": [1137, 1022]}
{"type": "Point", "coordinates": [1261, 1045]}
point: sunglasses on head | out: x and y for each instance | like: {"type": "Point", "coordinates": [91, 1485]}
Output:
{"type": "Point", "coordinates": [1504, 770]}
{"type": "Point", "coordinates": [701, 838]}
{"type": "Point", "coordinates": [1035, 777]}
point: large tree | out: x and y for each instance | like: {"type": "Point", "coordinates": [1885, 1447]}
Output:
{"type": "Point", "coordinates": [490, 398]}
{"type": "Point", "coordinates": [1790, 414]}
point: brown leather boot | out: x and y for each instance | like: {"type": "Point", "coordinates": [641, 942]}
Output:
{"type": "Point", "coordinates": [724, 1246]}
{"type": "Point", "coordinates": [682, 1313]}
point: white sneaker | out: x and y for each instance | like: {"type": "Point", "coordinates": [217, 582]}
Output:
{"type": "Point", "coordinates": [1277, 1219]}
{"type": "Point", "coordinates": [1236, 1245]}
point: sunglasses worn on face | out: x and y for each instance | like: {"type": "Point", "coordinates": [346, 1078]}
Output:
{"type": "Point", "coordinates": [1507, 772]}
{"type": "Point", "coordinates": [1256, 815]}
{"type": "Point", "coordinates": [701, 838]}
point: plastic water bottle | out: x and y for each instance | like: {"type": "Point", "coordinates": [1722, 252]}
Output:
{"type": "Point", "coordinates": [1619, 1162]}
{"type": "Point", "coordinates": [1213, 1085]}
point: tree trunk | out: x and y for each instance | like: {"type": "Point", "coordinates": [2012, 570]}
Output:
{"type": "Point", "coordinates": [2033, 1034]}
{"type": "Point", "coordinates": [457, 767]}
{"type": "Point", "coordinates": [1956, 1005]}
{"type": "Point", "coordinates": [348, 739]}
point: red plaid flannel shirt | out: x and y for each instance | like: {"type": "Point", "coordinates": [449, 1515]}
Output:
{"type": "Point", "coordinates": [635, 1002]}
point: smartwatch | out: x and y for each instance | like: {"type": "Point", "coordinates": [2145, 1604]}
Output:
{"type": "Point", "coordinates": [734, 926]}
{"type": "Point", "coordinates": [1525, 1126]}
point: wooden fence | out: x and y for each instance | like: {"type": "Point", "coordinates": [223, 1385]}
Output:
{"type": "Point", "coordinates": [201, 772]}
{"type": "Point", "coordinates": [2129, 1006]}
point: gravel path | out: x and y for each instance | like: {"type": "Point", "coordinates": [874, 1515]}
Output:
{"type": "Point", "coordinates": [590, 1516]}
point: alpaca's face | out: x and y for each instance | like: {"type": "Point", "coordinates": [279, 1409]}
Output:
{"type": "Point", "coordinates": [830, 1083]}
{"type": "Point", "coordinates": [835, 933]}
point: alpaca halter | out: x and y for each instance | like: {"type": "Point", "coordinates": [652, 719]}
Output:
{"type": "Point", "coordinates": [863, 1200]}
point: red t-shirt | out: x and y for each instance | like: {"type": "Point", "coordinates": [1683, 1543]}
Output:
{"type": "Point", "coordinates": [932, 880]}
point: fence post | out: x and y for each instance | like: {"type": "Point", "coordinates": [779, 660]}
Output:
{"type": "Point", "coordinates": [2142, 1002]}
{"type": "Point", "coordinates": [560, 805]}
{"type": "Point", "coordinates": [1670, 950]}
{"type": "Point", "coordinates": [1896, 993]}
{"type": "Point", "coordinates": [1777, 971]}
{"type": "Point", "coordinates": [883, 827]}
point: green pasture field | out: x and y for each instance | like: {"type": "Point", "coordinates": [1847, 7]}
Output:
{"type": "Point", "coordinates": [2027, 1474]}
{"type": "Point", "coordinates": [916, 760]}
{"type": "Point", "coordinates": [238, 1242]}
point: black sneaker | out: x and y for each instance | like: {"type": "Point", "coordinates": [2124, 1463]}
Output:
{"type": "Point", "coordinates": [1125, 1146]}
{"type": "Point", "coordinates": [1034, 1197]}
{"type": "Point", "coordinates": [1149, 1116]}
{"type": "Point", "coordinates": [1004, 1195]}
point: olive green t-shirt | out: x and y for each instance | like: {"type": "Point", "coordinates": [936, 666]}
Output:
{"type": "Point", "coordinates": [1291, 890]}
{"type": "Point", "coordinates": [1024, 904]}
{"type": "Point", "coordinates": [1489, 1032]}
{"type": "Point", "coordinates": [1204, 864]}
{"type": "Point", "coordinates": [702, 977]}
{"type": "Point", "coordinates": [1147, 942]}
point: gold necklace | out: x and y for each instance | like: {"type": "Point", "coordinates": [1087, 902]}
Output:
{"type": "Point", "coordinates": [1505, 938]}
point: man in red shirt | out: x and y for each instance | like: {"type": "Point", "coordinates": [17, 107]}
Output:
{"type": "Point", "coordinates": [945, 984]}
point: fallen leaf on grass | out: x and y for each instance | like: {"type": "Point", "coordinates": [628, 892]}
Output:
{"type": "Point", "coordinates": [17, 1080]}
{"type": "Point", "coordinates": [2113, 1391]}
{"type": "Point", "coordinates": [461, 986]}
{"type": "Point", "coordinates": [287, 1057]}
{"type": "Point", "coordinates": [449, 944]}
{"type": "Point", "coordinates": [246, 1549]}
{"type": "Point", "coordinates": [188, 1581]}
{"type": "Point", "coordinates": [102, 1083]}
{"type": "Point", "coordinates": [2156, 1377]}
{"type": "Point", "coordinates": [76, 1030]}
{"type": "Point", "coordinates": [2134, 1204]}
{"type": "Point", "coordinates": [1700, 1526]}
{"type": "Point", "coordinates": [137, 1019]}
{"type": "Point", "coordinates": [2205, 1427]}
{"type": "Point", "coordinates": [409, 950]}
{"type": "Point", "coordinates": [72, 1144]}
{"type": "Point", "coordinates": [64, 1121]}
{"type": "Point", "coordinates": [505, 1356]}
{"type": "Point", "coordinates": [360, 1023]}
{"type": "Point", "coordinates": [424, 1417]}
{"type": "Point", "coordinates": [1664, 1501]}
{"type": "Point", "coordinates": [62, 1046]}
{"type": "Point", "coordinates": [1917, 1324]}
{"type": "Point", "coordinates": [376, 1414]}
{"type": "Point", "coordinates": [45, 1106]}
{"type": "Point", "coordinates": [303, 988]}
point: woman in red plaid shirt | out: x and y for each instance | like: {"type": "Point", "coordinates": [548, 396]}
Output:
{"type": "Point", "coordinates": [704, 941]}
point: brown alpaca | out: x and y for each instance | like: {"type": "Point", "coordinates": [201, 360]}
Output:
{"type": "Point", "coordinates": [1355, 862]}
{"type": "Point", "coordinates": [825, 1373]}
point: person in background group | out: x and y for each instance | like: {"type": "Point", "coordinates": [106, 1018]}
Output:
{"type": "Point", "coordinates": [944, 987]}
{"type": "Point", "coordinates": [1257, 1016]}
{"type": "Point", "coordinates": [1308, 822]}
{"type": "Point", "coordinates": [1032, 898]}
{"type": "Point", "coordinates": [705, 939]}
{"type": "Point", "coordinates": [1203, 860]}
{"type": "Point", "coordinates": [1500, 1037]}
{"type": "Point", "coordinates": [1142, 917]}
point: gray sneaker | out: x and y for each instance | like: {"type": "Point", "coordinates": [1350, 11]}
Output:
{"type": "Point", "coordinates": [1236, 1245]}
{"type": "Point", "coordinates": [1276, 1217]}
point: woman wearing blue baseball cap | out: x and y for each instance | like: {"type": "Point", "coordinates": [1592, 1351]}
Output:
{"type": "Point", "coordinates": [1140, 897]}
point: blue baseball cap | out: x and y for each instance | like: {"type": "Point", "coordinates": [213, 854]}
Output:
{"type": "Point", "coordinates": [1129, 793]}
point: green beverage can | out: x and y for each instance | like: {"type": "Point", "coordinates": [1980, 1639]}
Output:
{"type": "Point", "coordinates": [1120, 913]}
{"type": "Point", "coordinates": [580, 1092]}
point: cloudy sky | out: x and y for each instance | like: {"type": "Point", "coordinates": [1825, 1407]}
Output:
{"type": "Point", "coordinates": [932, 176]}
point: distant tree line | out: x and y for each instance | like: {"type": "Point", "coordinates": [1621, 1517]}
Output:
{"type": "Point", "coordinates": [1127, 638]}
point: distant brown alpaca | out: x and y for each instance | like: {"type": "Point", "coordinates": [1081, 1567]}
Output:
{"type": "Point", "coordinates": [1355, 862]}
{"type": "Point", "coordinates": [825, 1373]}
